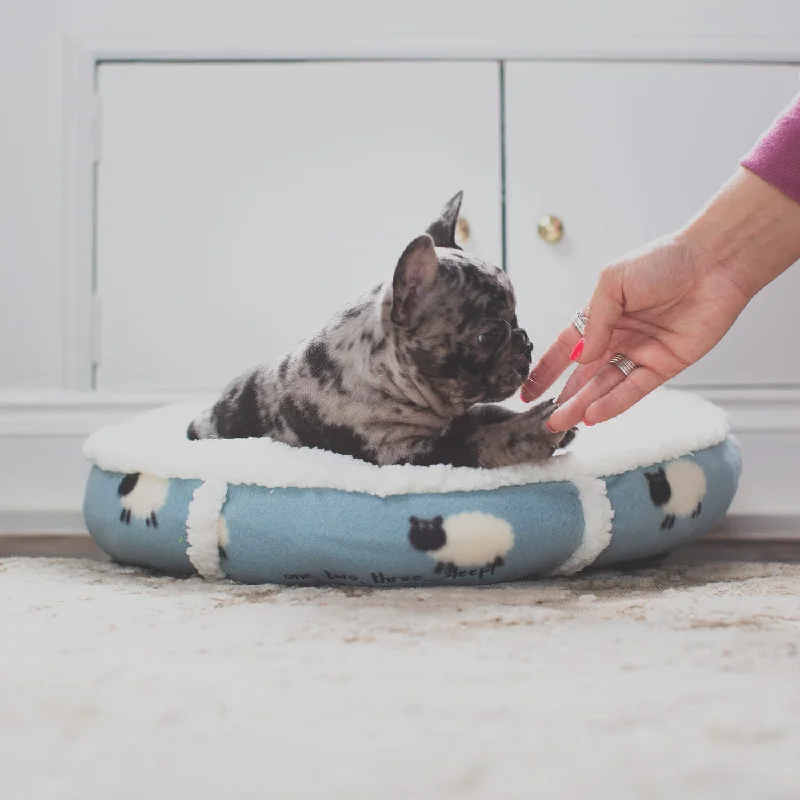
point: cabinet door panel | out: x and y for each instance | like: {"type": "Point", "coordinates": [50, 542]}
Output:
{"type": "Point", "coordinates": [239, 205]}
{"type": "Point", "coordinates": [626, 152]}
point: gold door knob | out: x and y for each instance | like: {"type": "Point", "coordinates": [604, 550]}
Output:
{"type": "Point", "coordinates": [462, 230]}
{"type": "Point", "coordinates": [551, 229]}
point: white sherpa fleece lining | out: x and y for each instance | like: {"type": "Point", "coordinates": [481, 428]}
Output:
{"type": "Point", "coordinates": [597, 520]}
{"type": "Point", "coordinates": [202, 528]}
{"type": "Point", "coordinates": [665, 425]}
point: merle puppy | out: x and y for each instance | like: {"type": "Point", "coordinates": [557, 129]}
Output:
{"type": "Point", "coordinates": [404, 375]}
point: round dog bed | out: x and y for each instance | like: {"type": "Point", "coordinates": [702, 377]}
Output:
{"type": "Point", "coordinates": [259, 511]}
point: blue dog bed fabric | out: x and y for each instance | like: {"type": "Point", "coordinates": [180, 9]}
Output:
{"type": "Point", "coordinates": [259, 511]}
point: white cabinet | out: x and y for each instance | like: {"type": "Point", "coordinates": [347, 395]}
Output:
{"type": "Point", "coordinates": [240, 204]}
{"type": "Point", "coordinates": [625, 152]}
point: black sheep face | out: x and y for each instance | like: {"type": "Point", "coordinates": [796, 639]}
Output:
{"type": "Point", "coordinates": [660, 491]}
{"type": "Point", "coordinates": [427, 534]}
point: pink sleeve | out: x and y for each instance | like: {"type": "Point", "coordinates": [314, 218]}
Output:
{"type": "Point", "coordinates": [776, 157]}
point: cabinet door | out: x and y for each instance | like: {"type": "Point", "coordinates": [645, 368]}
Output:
{"type": "Point", "coordinates": [240, 205]}
{"type": "Point", "coordinates": [623, 153]}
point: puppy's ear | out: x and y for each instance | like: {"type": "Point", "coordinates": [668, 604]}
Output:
{"type": "Point", "coordinates": [443, 230]}
{"type": "Point", "coordinates": [414, 277]}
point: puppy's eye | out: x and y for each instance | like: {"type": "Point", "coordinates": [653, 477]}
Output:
{"type": "Point", "coordinates": [490, 337]}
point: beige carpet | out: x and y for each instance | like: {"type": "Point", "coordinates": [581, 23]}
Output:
{"type": "Point", "coordinates": [667, 683]}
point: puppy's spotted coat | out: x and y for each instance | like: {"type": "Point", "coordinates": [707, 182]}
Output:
{"type": "Point", "coordinates": [406, 375]}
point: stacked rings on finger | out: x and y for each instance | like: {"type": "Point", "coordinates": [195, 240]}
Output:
{"type": "Point", "coordinates": [579, 321]}
{"type": "Point", "coordinates": [620, 360]}
{"type": "Point", "coordinates": [623, 364]}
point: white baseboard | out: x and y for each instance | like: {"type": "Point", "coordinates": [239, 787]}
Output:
{"type": "Point", "coordinates": [66, 523]}
{"type": "Point", "coordinates": [757, 410]}
{"type": "Point", "coordinates": [42, 470]}
{"type": "Point", "coordinates": [756, 528]}
{"type": "Point", "coordinates": [44, 414]}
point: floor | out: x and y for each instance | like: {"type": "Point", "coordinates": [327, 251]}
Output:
{"type": "Point", "coordinates": [674, 681]}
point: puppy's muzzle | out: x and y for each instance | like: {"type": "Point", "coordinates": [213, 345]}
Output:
{"type": "Point", "coordinates": [520, 342]}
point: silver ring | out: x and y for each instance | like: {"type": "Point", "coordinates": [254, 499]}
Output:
{"type": "Point", "coordinates": [623, 364]}
{"type": "Point", "coordinates": [579, 321]}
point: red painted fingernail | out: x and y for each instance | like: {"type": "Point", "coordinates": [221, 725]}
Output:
{"type": "Point", "coordinates": [547, 425]}
{"type": "Point", "coordinates": [523, 397]}
{"type": "Point", "coordinates": [576, 353]}
{"type": "Point", "coordinates": [588, 424]}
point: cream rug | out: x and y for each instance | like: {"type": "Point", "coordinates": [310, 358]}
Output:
{"type": "Point", "coordinates": [680, 682]}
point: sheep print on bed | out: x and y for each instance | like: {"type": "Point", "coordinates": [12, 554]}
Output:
{"type": "Point", "coordinates": [258, 511]}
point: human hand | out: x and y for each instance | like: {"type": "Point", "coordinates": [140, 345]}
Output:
{"type": "Point", "coordinates": [664, 306]}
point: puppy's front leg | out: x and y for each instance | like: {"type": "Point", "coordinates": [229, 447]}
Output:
{"type": "Point", "coordinates": [494, 436]}
{"type": "Point", "coordinates": [517, 439]}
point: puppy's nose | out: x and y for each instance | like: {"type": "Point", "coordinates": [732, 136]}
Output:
{"type": "Point", "coordinates": [520, 338]}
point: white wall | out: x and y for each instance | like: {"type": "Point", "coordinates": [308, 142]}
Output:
{"type": "Point", "coordinates": [32, 37]}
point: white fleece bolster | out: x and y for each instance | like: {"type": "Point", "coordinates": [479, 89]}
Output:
{"type": "Point", "coordinates": [665, 425]}
{"type": "Point", "coordinates": [202, 528]}
{"type": "Point", "coordinates": [597, 518]}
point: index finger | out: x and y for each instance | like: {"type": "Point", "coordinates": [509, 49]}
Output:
{"type": "Point", "coordinates": [551, 365]}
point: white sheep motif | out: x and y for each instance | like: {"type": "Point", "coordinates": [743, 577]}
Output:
{"type": "Point", "coordinates": [678, 489]}
{"type": "Point", "coordinates": [141, 496]}
{"type": "Point", "coordinates": [469, 539]}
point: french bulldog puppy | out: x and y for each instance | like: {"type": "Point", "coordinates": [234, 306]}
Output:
{"type": "Point", "coordinates": [405, 375]}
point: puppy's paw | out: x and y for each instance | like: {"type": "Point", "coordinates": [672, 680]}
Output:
{"type": "Point", "coordinates": [557, 439]}
{"type": "Point", "coordinates": [541, 411]}
{"type": "Point", "coordinates": [567, 437]}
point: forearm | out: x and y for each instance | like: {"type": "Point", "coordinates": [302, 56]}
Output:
{"type": "Point", "coordinates": [750, 228]}
{"type": "Point", "coordinates": [776, 156]}
{"type": "Point", "coordinates": [752, 225]}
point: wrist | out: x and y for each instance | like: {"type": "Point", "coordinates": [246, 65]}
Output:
{"type": "Point", "coordinates": [748, 229]}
